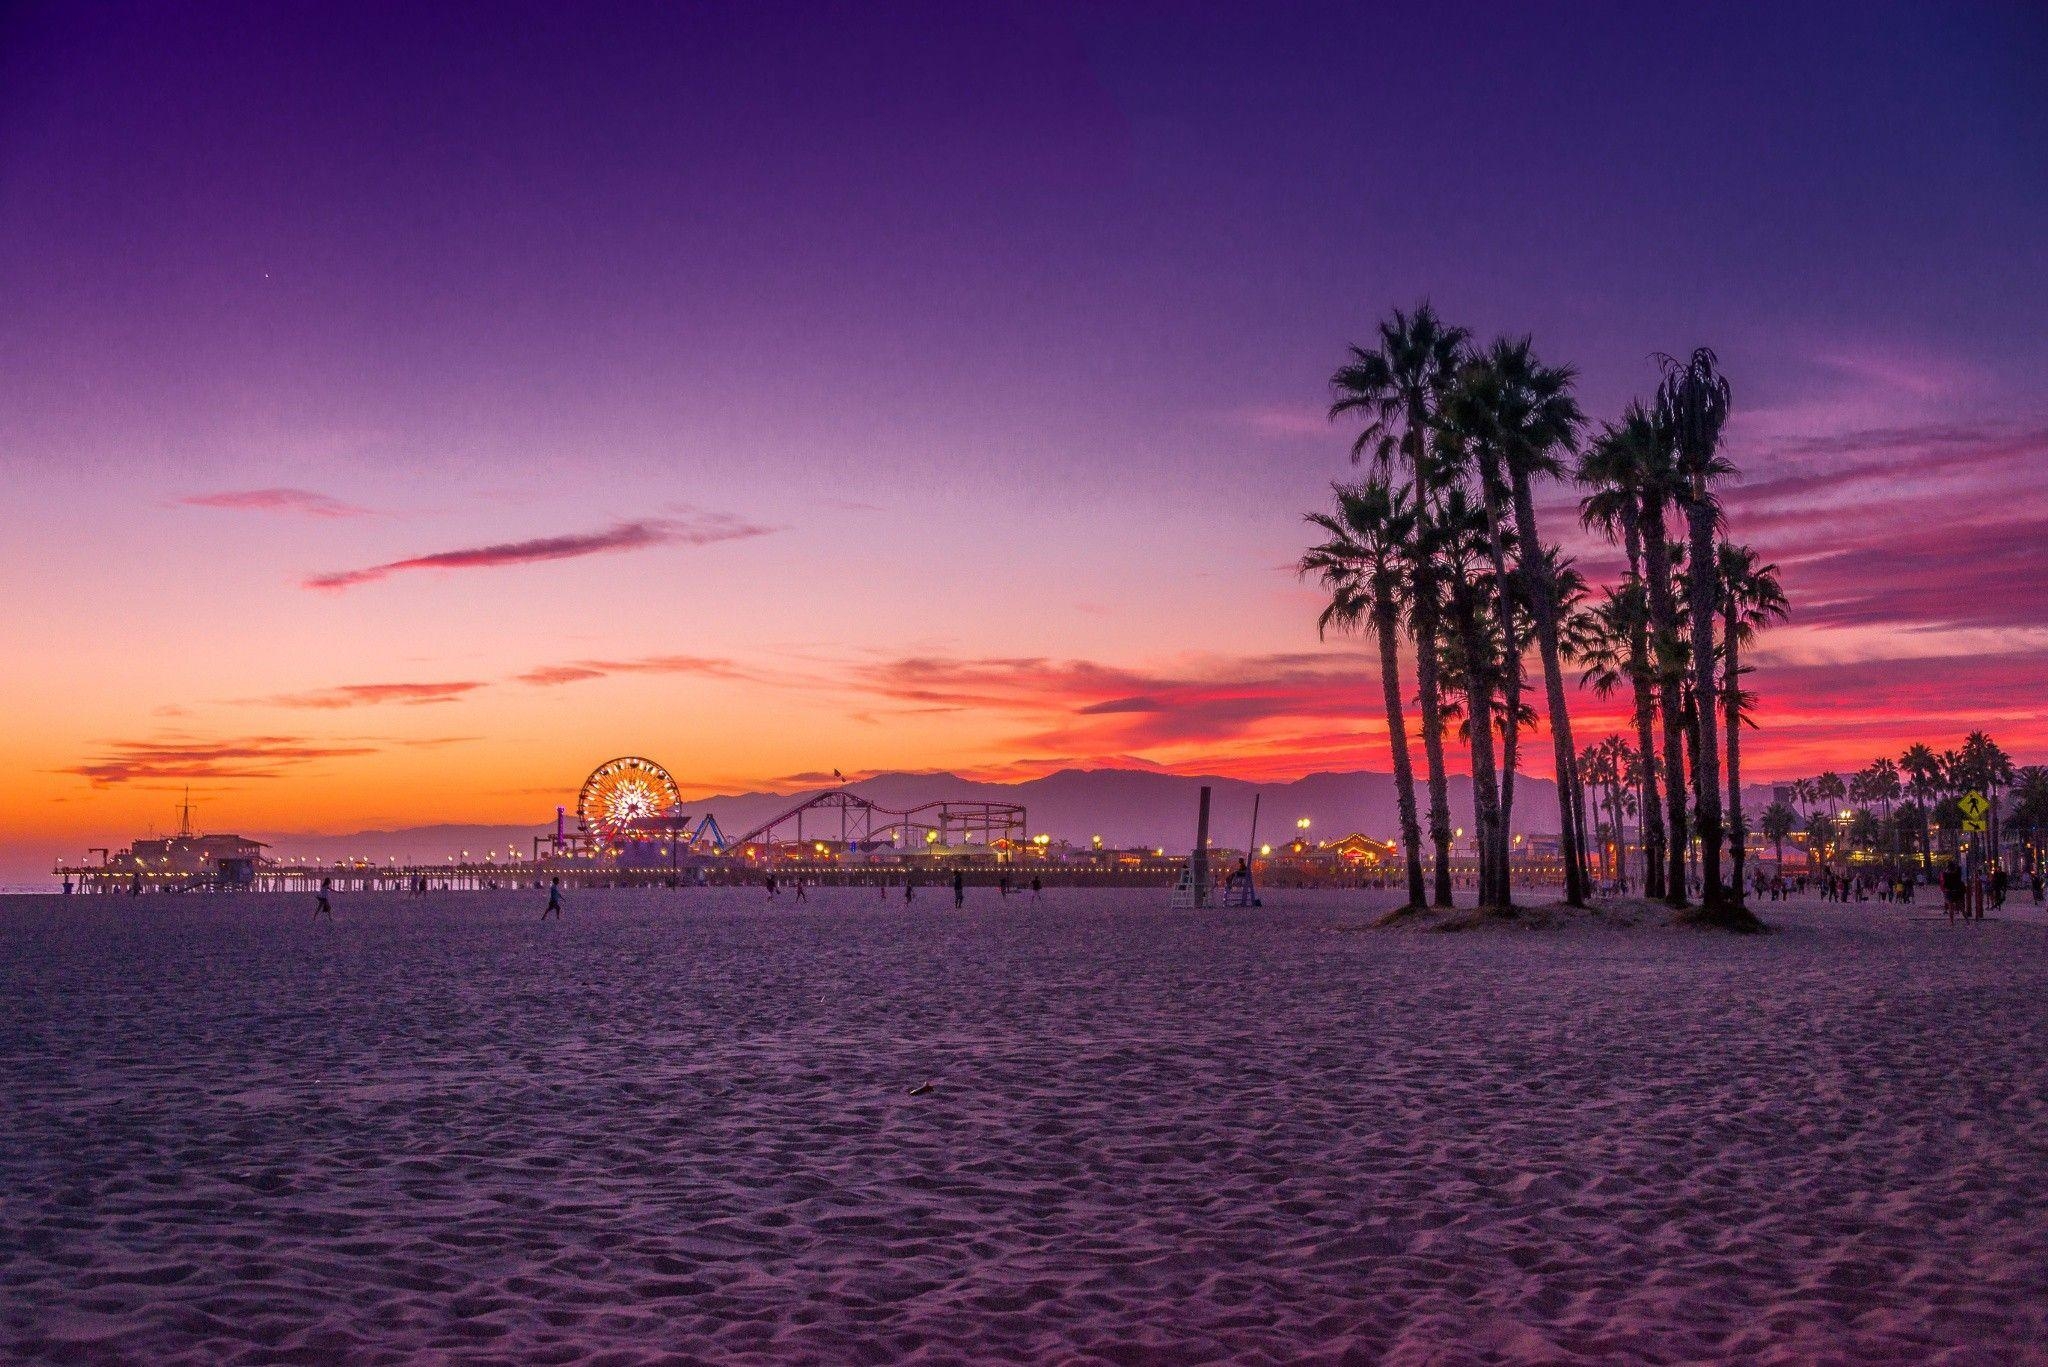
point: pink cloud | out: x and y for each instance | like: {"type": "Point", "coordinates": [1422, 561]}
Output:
{"type": "Point", "coordinates": [301, 501]}
{"type": "Point", "coordinates": [370, 695]}
{"type": "Point", "coordinates": [696, 530]}
{"type": "Point", "coordinates": [580, 670]}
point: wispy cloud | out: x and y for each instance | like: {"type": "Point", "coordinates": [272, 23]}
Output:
{"type": "Point", "coordinates": [304, 502]}
{"type": "Point", "coordinates": [374, 694]}
{"type": "Point", "coordinates": [1282, 420]}
{"type": "Point", "coordinates": [576, 671]}
{"type": "Point", "coordinates": [179, 757]}
{"type": "Point", "coordinates": [696, 529]}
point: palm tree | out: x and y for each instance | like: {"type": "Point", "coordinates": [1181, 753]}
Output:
{"type": "Point", "coordinates": [1365, 564]}
{"type": "Point", "coordinates": [1692, 406]}
{"type": "Point", "coordinates": [1830, 790]}
{"type": "Point", "coordinates": [1922, 768]}
{"type": "Point", "coordinates": [1779, 821]}
{"type": "Point", "coordinates": [1613, 469]}
{"type": "Point", "coordinates": [1881, 785]}
{"type": "Point", "coordinates": [1606, 641]}
{"type": "Point", "coordinates": [1470, 427]}
{"type": "Point", "coordinates": [1820, 830]}
{"type": "Point", "coordinates": [2030, 808]}
{"type": "Point", "coordinates": [1654, 475]}
{"type": "Point", "coordinates": [1520, 416]}
{"type": "Point", "coordinates": [1751, 599]}
{"type": "Point", "coordinates": [1461, 537]}
{"type": "Point", "coordinates": [1399, 389]}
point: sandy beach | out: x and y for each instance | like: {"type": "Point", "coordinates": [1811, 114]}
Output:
{"type": "Point", "coordinates": [681, 1123]}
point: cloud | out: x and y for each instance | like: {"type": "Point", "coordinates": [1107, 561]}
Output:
{"type": "Point", "coordinates": [1281, 420]}
{"type": "Point", "coordinates": [697, 529]}
{"type": "Point", "coordinates": [189, 758]}
{"type": "Point", "coordinates": [1085, 708]}
{"type": "Point", "coordinates": [301, 501]}
{"type": "Point", "coordinates": [370, 695]}
{"type": "Point", "coordinates": [1920, 527]}
{"type": "Point", "coordinates": [1140, 704]}
{"type": "Point", "coordinates": [579, 670]}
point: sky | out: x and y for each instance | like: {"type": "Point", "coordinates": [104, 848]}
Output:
{"type": "Point", "coordinates": [404, 408]}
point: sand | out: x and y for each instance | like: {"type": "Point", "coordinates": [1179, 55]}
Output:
{"type": "Point", "coordinates": [680, 1124]}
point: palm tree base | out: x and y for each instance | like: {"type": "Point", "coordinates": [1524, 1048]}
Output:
{"type": "Point", "coordinates": [1414, 911]}
{"type": "Point", "coordinates": [1733, 917]}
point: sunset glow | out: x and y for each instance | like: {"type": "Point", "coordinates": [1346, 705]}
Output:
{"type": "Point", "coordinates": [789, 399]}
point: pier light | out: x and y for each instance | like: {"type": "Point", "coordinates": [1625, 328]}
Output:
{"type": "Point", "coordinates": [1265, 849]}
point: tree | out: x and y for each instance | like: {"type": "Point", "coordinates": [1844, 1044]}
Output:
{"type": "Point", "coordinates": [1922, 770]}
{"type": "Point", "coordinates": [1778, 822]}
{"type": "Point", "coordinates": [1615, 470]}
{"type": "Point", "coordinates": [1830, 790]}
{"type": "Point", "coordinates": [1522, 414]}
{"type": "Point", "coordinates": [1692, 406]}
{"type": "Point", "coordinates": [1460, 537]}
{"type": "Point", "coordinates": [1750, 600]}
{"type": "Point", "coordinates": [1638, 456]}
{"type": "Point", "coordinates": [1365, 565]}
{"type": "Point", "coordinates": [1399, 389]}
{"type": "Point", "coordinates": [1880, 784]}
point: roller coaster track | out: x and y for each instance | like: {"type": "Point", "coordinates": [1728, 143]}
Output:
{"type": "Point", "coordinates": [869, 822]}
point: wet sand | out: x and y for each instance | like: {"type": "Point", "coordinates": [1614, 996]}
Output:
{"type": "Point", "coordinates": [680, 1123]}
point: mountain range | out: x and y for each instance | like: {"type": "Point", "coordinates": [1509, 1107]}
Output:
{"type": "Point", "coordinates": [1123, 806]}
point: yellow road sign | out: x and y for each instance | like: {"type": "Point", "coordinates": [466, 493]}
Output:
{"type": "Point", "coordinates": [1974, 806]}
{"type": "Point", "coordinates": [1975, 823]}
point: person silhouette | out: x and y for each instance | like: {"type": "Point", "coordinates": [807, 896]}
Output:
{"type": "Point", "coordinates": [959, 889]}
{"type": "Point", "coordinates": [554, 907]}
{"type": "Point", "coordinates": [1036, 887]}
{"type": "Point", "coordinates": [323, 907]}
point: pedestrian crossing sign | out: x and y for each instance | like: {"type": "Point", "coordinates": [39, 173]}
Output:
{"type": "Point", "coordinates": [1974, 806]}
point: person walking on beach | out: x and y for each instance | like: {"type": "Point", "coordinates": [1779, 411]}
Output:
{"type": "Point", "coordinates": [323, 907]}
{"type": "Point", "coordinates": [799, 889]}
{"type": "Point", "coordinates": [959, 889]}
{"type": "Point", "coordinates": [554, 908]}
{"type": "Point", "coordinates": [909, 890]}
{"type": "Point", "coordinates": [1036, 887]}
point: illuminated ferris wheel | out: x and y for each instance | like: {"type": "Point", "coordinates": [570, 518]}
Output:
{"type": "Point", "coordinates": [622, 791]}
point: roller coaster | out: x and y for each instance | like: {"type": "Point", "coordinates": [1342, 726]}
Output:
{"type": "Point", "coordinates": [630, 806]}
{"type": "Point", "coordinates": [863, 824]}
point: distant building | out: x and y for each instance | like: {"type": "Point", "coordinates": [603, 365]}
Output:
{"type": "Point", "coordinates": [191, 859]}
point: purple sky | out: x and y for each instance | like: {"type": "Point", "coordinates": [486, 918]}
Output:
{"type": "Point", "coordinates": [795, 337]}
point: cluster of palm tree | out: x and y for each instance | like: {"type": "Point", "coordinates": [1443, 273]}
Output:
{"type": "Point", "coordinates": [1438, 549]}
{"type": "Point", "coordinates": [1911, 808]}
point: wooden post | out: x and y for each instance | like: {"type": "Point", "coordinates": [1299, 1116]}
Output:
{"type": "Point", "coordinates": [1200, 863]}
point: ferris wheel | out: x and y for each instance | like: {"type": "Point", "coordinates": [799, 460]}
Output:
{"type": "Point", "coordinates": [622, 791]}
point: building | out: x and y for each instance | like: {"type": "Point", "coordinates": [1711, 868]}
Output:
{"type": "Point", "coordinates": [189, 861]}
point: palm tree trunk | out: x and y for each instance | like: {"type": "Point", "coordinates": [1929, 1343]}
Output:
{"type": "Point", "coordinates": [1479, 725]}
{"type": "Point", "coordinates": [1700, 517]}
{"type": "Point", "coordinates": [1543, 604]}
{"type": "Point", "coordinates": [1511, 647]}
{"type": "Point", "coordinates": [1664, 622]}
{"type": "Point", "coordinates": [1387, 626]}
{"type": "Point", "coordinates": [1652, 819]}
{"type": "Point", "coordinates": [1427, 675]}
{"type": "Point", "coordinates": [1731, 705]}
